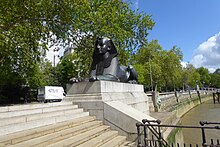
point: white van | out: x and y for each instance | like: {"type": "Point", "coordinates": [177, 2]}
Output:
{"type": "Point", "coordinates": [50, 94]}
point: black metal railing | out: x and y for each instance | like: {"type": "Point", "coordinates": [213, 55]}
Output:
{"type": "Point", "coordinates": [150, 134]}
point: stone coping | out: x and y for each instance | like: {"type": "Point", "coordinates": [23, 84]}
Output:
{"type": "Point", "coordinates": [102, 87]}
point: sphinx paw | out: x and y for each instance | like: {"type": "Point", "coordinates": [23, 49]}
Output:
{"type": "Point", "coordinates": [92, 79]}
{"type": "Point", "coordinates": [75, 80]}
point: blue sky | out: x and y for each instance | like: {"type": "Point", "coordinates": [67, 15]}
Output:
{"type": "Point", "coordinates": [192, 25]}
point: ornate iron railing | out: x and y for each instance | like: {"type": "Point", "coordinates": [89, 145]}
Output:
{"type": "Point", "coordinates": [154, 127]}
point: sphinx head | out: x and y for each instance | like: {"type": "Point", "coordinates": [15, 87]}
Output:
{"type": "Point", "coordinates": [103, 45]}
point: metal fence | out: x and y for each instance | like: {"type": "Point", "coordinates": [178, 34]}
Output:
{"type": "Point", "coordinates": [154, 128]}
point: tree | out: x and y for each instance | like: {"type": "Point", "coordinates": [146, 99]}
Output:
{"type": "Point", "coordinates": [20, 49]}
{"type": "Point", "coordinates": [113, 19]}
{"type": "Point", "coordinates": [27, 27]}
{"type": "Point", "coordinates": [217, 71]}
{"type": "Point", "coordinates": [147, 64]}
{"type": "Point", "coordinates": [49, 74]}
{"type": "Point", "coordinates": [67, 69]}
{"type": "Point", "coordinates": [190, 76]}
{"type": "Point", "coordinates": [204, 76]}
{"type": "Point", "coordinates": [171, 67]}
{"type": "Point", "coordinates": [163, 65]}
{"type": "Point", "coordinates": [215, 79]}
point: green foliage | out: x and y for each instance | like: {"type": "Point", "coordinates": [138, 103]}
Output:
{"type": "Point", "coordinates": [215, 79]}
{"type": "Point", "coordinates": [76, 65]}
{"type": "Point", "coordinates": [165, 66]}
{"type": "Point", "coordinates": [204, 76]}
{"type": "Point", "coordinates": [217, 71]}
{"type": "Point", "coordinates": [66, 69]}
{"type": "Point", "coordinates": [10, 86]}
{"type": "Point", "coordinates": [190, 76]}
{"type": "Point", "coordinates": [113, 19]}
{"type": "Point", "coordinates": [146, 61]}
{"type": "Point", "coordinates": [142, 72]}
{"type": "Point", "coordinates": [49, 74]}
{"type": "Point", "coordinates": [28, 27]}
{"type": "Point", "coordinates": [172, 68]}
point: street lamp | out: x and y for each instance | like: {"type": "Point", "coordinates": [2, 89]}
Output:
{"type": "Point", "coordinates": [54, 64]}
{"type": "Point", "coordinates": [203, 85]}
{"type": "Point", "coordinates": [54, 56]}
{"type": "Point", "coordinates": [151, 79]}
{"type": "Point", "coordinates": [197, 85]}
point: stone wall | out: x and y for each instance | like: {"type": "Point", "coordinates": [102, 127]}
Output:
{"type": "Point", "coordinates": [169, 101]}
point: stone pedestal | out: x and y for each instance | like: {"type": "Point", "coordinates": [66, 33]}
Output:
{"type": "Point", "coordinates": [117, 104]}
{"type": "Point", "coordinates": [103, 87]}
{"type": "Point", "coordinates": [105, 91]}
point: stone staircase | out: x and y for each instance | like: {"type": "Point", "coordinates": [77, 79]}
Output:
{"type": "Point", "coordinates": [54, 125]}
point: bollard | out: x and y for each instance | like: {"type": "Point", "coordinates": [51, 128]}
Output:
{"type": "Point", "coordinates": [154, 100]}
{"type": "Point", "coordinates": [218, 99]}
{"type": "Point", "coordinates": [213, 97]}
{"type": "Point", "coordinates": [190, 94]}
{"type": "Point", "coordinates": [177, 96]}
{"type": "Point", "coordinates": [198, 93]}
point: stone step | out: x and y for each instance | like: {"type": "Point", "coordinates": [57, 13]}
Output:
{"type": "Point", "coordinates": [32, 106]}
{"type": "Point", "coordinates": [54, 124]}
{"type": "Point", "coordinates": [35, 110]}
{"type": "Point", "coordinates": [115, 142]}
{"type": "Point", "coordinates": [84, 95]}
{"type": "Point", "coordinates": [44, 130]}
{"type": "Point", "coordinates": [95, 125]}
{"type": "Point", "coordinates": [101, 139]}
{"type": "Point", "coordinates": [31, 117]}
{"type": "Point", "coordinates": [38, 123]}
{"type": "Point", "coordinates": [128, 144]}
{"type": "Point", "coordinates": [59, 135]}
{"type": "Point", "coordinates": [81, 97]}
{"type": "Point", "coordinates": [81, 138]}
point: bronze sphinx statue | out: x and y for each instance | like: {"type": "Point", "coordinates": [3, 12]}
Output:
{"type": "Point", "coordinates": [105, 65]}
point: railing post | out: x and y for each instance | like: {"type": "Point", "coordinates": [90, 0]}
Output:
{"type": "Point", "coordinates": [138, 133]}
{"type": "Point", "coordinates": [145, 132]}
{"type": "Point", "coordinates": [203, 134]}
{"type": "Point", "coordinates": [159, 133]}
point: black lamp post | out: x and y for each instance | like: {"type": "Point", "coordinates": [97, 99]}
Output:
{"type": "Point", "coordinates": [54, 58]}
{"type": "Point", "coordinates": [151, 79]}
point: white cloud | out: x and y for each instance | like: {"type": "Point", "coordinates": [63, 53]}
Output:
{"type": "Point", "coordinates": [198, 60]}
{"type": "Point", "coordinates": [212, 70]}
{"type": "Point", "coordinates": [208, 54]}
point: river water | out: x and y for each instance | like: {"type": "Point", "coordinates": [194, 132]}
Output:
{"type": "Point", "coordinates": [207, 111]}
